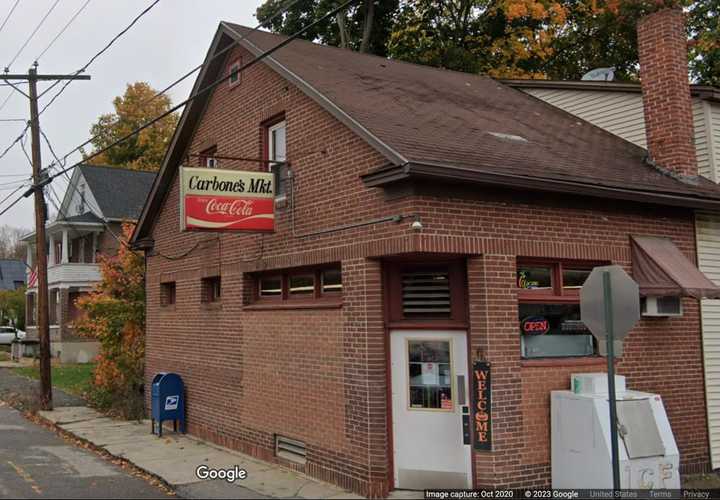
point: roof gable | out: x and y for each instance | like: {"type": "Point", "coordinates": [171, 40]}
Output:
{"type": "Point", "coordinates": [118, 193]}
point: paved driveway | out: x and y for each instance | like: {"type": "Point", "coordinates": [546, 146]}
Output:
{"type": "Point", "coordinates": [36, 463]}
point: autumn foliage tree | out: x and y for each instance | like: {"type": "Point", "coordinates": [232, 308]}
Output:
{"type": "Point", "coordinates": [144, 151]}
{"type": "Point", "coordinates": [114, 314]}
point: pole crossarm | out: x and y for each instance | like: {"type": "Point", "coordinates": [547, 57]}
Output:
{"type": "Point", "coordinates": [42, 77]}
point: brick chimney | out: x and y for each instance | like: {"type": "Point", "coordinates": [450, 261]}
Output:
{"type": "Point", "coordinates": [662, 46]}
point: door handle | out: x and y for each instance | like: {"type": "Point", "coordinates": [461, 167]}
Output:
{"type": "Point", "coordinates": [466, 424]}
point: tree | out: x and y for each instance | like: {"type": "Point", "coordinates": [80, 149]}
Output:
{"type": "Point", "coordinates": [364, 27]}
{"type": "Point", "coordinates": [11, 246]}
{"type": "Point", "coordinates": [114, 314]}
{"type": "Point", "coordinates": [704, 30]}
{"type": "Point", "coordinates": [12, 307]}
{"type": "Point", "coordinates": [502, 38]}
{"type": "Point", "coordinates": [144, 151]}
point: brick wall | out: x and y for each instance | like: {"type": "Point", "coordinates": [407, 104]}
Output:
{"type": "Point", "coordinates": [320, 375]}
{"type": "Point", "coordinates": [662, 47]}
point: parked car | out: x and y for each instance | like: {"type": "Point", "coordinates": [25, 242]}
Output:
{"type": "Point", "coordinates": [8, 334]}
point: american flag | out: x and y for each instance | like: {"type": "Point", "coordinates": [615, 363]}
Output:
{"type": "Point", "coordinates": [32, 279]}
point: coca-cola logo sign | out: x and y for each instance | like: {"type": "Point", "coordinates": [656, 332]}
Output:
{"type": "Point", "coordinates": [226, 200]}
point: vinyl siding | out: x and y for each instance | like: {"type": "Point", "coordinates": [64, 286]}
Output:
{"type": "Point", "coordinates": [708, 247]}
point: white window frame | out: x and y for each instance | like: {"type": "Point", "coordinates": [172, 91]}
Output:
{"type": "Point", "coordinates": [271, 148]}
{"type": "Point", "coordinates": [232, 68]}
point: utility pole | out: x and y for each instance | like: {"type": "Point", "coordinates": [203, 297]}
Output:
{"type": "Point", "coordinates": [39, 181]}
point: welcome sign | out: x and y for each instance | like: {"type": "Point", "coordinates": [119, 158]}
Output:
{"type": "Point", "coordinates": [226, 200]}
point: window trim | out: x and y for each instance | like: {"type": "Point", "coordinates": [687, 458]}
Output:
{"type": "Point", "coordinates": [236, 64]}
{"type": "Point", "coordinates": [285, 297]}
{"type": "Point", "coordinates": [268, 127]}
{"type": "Point", "coordinates": [559, 295]}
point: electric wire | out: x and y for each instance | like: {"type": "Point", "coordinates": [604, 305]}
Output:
{"type": "Point", "coordinates": [67, 25]}
{"type": "Point", "coordinates": [281, 11]}
{"type": "Point", "coordinates": [98, 54]}
{"type": "Point", "coordinates": [7, 18]}
{"type": "Point", "coordinates": [32, 35]}
{"type": "Point", "coordinates": [202, 91]}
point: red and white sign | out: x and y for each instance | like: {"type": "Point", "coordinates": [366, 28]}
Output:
{"type": "Point", "coordinates": [226, 200]}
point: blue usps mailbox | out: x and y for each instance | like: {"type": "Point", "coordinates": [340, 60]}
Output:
{"type": "Point", "coordinates": [168, 401]}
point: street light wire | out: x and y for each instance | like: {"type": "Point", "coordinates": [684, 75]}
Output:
{"type": "Point", "coordinates": [32, 35]}
{"type": "Point", "coordinates": [67, 25]}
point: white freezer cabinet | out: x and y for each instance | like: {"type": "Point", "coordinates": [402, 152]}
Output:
{"type": "Point", "coordinates": [581, 452]}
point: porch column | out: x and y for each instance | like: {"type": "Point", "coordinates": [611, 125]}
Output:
{"type": "Point", "coordinates": [65, 248]}
{"type": "Point", "coordinates": [94, 247]}
{"type": "Point", "coordinates": [51, 252]}
{"type": "Point", "coordinates": [30, 257]}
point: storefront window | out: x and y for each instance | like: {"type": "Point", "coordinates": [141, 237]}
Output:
{"type": "Point", "coordinates": [549, 310]}
{"type": "Point", "coordinates": [430, 375]}
{"type": "Point", "coordinates": [573, 279]}
{"type": "Point", "coordinates": [553, 330]}
{"type": "Point", "coordinates": [534, 278]}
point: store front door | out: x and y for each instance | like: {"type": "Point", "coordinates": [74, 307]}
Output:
{"type": "Point", "coordinates": [429, 394]}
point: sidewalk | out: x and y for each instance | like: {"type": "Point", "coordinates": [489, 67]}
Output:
{"type": "Point", "coordinates": [174, 459]}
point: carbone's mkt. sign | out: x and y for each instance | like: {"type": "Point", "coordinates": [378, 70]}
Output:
{"type": "Point", "coordinates": [226, 200]}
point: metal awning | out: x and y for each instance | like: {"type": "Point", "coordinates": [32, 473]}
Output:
{"type": "Point", "coordinates": [661, 269]}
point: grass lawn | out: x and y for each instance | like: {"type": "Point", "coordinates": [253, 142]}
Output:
{"type": "Point", "coordinates": [71, 378]}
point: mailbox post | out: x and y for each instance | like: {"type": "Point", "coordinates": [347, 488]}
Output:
{"type": "Point", "coordinates": [168, 401]}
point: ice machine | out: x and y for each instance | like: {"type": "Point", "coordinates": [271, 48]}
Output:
{"type": "Point", "coordinates": [581, 452]}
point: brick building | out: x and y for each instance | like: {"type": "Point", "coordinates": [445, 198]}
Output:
{"type": "Point", "coordinates": [421, 216]}
{"type": "Point", "coordinates": [90, 216]}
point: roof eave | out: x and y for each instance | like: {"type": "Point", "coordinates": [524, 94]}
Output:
{"type": "Point", "coordinates": [419, 171]}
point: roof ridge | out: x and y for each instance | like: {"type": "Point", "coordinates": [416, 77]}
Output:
{"type": "Point", "coordinates": [366, 54]}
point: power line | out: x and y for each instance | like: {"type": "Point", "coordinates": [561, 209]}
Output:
{"type": "Point", "coordinates": [7, 18]}
{"type": "Point", "coordinates": [10, 196]}
{"type": "Point", "coordinates": [101, 52]}
{"type": "Point", "coordinates": [17, 139]}
{"type": "Point", "coordinates": [67, 25]}
{"type": "Point", "coordinates": [42, 21]}
{"type": "Point", "coordinates": [277, 14]}
{"type": "Point", "coordinates": [202, 91]}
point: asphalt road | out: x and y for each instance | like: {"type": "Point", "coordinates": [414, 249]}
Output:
{"type": "Point", "coordinates": [36, 463]}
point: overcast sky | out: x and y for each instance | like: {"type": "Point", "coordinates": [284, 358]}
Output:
{"type": "Point", "coordinates": [167, 42]}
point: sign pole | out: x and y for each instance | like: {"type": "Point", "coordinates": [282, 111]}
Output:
{"type": "Point", "coordinates": [607, 292]}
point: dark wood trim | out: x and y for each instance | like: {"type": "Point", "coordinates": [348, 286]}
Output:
{"type": "Point", "coordinates": [458, 175]}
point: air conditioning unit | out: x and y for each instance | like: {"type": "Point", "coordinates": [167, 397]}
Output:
{"type": "Point", "coordinates": [661, 306]}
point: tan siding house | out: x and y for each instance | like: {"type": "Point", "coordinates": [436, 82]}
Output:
{"type": "Point", "coordinates": [618, 108]}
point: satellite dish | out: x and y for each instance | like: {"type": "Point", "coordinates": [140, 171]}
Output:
{"type": "Point", "coordinates": [600, 75]}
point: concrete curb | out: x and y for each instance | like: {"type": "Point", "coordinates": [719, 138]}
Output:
{"type": "Point", "coordinates": [173, 460]}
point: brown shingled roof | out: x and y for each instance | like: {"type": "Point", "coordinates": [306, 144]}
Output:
{"type": "Point", "coordinates": [434, 122]}
{"type": "Point", "coordinates": [441, 117]}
